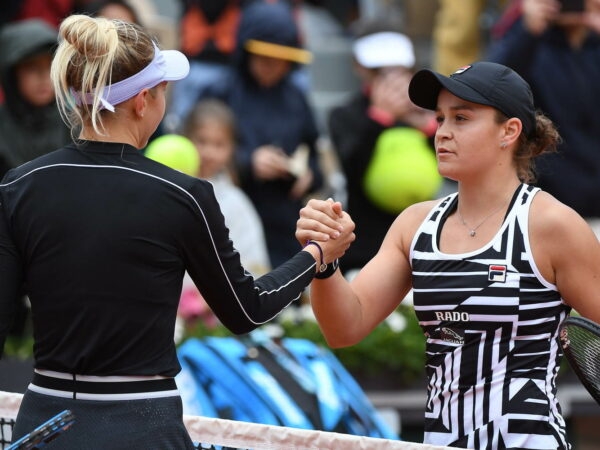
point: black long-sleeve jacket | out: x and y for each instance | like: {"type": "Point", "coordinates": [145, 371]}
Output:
{"type": "Point", "coordinates": [100, 237]}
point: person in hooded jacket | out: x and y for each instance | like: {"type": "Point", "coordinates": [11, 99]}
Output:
{"type": "Point", "coordinates": [30, 123]}
{"type": "Point", "coordinates": [277, 154]}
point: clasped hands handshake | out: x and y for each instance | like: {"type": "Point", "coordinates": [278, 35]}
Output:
{"type": "Point", "coordinates": [326, 223]}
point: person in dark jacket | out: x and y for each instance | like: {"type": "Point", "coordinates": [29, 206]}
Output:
{"type": "Point", "coordinates": [383, 61]}
{"type": "Point", "coordinates": [207, 36]}
{"type": "Point", "coordinates": [277, 155]}
{"type": "Point", "coordinates": [559, 55]}
{"type": "Point", "coordinates": [30, 124]}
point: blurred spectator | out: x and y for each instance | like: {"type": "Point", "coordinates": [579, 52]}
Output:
{"type": "Point", "coordinates": [461, 32]}
{"type": "Point", "coordinates": [369, 10]}
{"type": "Point", "coordinates": [207, 32]}
{"type": "Point", "coordinates": [383, 60]}
{"type": "Point", "coordinates": [277, 158]}
{"type": "Point", "coordinates": [30, 124]}
{"type": "Point", "coordinates": [9, 11]}
{"type": "Point", "coordinates": [211, 127]}
{"type": "Point", "coordinates": [456, 34]}
{"type": "Point", "coordinates": [50, 11]}
{"type": "Point", "coordinates": [558, 53]}
{"type": "Point", "coordinates": [54, 11]}
{"type": "Point", "coordinates": [112, 9]}
{"type": "Point", "coordinates": [345, 12]}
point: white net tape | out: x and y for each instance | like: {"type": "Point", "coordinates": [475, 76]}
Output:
{"type": "Point", "coordinates": [246, 435]}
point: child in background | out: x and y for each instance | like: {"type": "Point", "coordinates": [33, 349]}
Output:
{"type": "Point", "coordinates": [211, 127]}
{"type": "Point", "coordinates": [274, 121]}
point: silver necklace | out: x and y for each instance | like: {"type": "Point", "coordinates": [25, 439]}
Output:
{"type": "Point", "coordinates": [473, 231]}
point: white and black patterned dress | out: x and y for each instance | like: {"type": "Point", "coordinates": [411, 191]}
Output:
{"type": "Point", "coordinates": [491, 325]}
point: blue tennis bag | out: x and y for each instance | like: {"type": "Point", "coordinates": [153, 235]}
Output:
{"type": "Point", "coordinates": [290, 382]}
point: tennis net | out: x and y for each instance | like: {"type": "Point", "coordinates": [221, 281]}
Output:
{"type": "Point", "coordinates": [223, 434]}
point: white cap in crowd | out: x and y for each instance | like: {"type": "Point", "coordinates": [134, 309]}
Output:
{"type": "Point", "coordinates": [384, 49]}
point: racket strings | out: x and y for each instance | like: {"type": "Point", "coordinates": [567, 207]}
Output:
{"type": "Point", "coordinates": [581, 345]}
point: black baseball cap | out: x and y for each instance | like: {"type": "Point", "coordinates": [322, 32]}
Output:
{"type": "Point", "coordinates": [485, 83]}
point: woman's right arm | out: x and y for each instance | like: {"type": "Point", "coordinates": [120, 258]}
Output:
{"type": "Point", "coordinates": [241, 302]}
{"type": "Point", "coordinates": [348, 311]}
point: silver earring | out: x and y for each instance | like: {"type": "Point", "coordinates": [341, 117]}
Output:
{"type": "Point", "coordinates": [503, 144]}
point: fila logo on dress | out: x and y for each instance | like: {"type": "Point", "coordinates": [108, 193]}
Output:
{"type": "Point", "coordinates": [497, 273]}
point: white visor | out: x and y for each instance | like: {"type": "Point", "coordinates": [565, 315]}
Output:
{"type": "Point", "coordinates": [167, 65]}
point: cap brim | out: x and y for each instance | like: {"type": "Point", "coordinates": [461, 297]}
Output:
{"type": "Point", "coordinates": [294, 54]}
{"type": "Point", "coordinates": [425, 87]}
{"type": "Point", "coordinates": [176, 64]}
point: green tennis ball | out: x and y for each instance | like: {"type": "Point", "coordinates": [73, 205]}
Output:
{"type": "Point", "coordinates": [402, 171]}
{"type": "Point", "coordinates": [175, 151]}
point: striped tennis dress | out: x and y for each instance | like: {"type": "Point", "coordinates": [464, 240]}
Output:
{"type": "Point", "coordinates": [491, 323]}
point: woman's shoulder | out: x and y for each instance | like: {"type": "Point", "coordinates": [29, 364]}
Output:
{"type": "Point", "coordinates": [548, 207]}
{"type": "Point", "coordinates": [53, 157]}
{"type": "Point", "coordinates": [550, 218]}
{"type": "Point", "coordinates": [410, 220]}
{"type": "Point", "coordinates": [420, 210]}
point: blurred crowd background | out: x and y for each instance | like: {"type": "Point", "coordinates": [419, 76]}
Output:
{"type": "Point", "coordinates": [292, 99]}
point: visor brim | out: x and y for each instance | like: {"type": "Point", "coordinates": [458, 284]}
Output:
{"type": "Point", "coordinates": [176, 64]}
